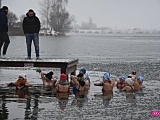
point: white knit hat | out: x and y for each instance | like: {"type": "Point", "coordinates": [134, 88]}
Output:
{"type": "Point", "coordinates": [23, 75]}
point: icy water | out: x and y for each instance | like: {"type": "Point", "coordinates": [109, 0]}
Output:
{"type": "Point", "coordinates": [118, 54]}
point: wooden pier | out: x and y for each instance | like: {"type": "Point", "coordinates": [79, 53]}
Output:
{"type": "Point", "coordinates": [66, 65]}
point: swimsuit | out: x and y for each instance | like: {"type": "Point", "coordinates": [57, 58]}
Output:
{"type": "Point", "coordinates": [75, 90]}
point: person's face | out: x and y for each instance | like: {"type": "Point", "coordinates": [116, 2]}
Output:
{"type": "Point", "coordinates": [121, 80]}
{"type": "Point", "coordinates": [80, 72]}
{"type": "Point", "coordinates": [31, 14]}
{"type": "Point", "coordinates": [20, 78]}
{"type": "Point", "coordinates": [139, 81]}
{"type": "Point", "coordinates": [6, 11]}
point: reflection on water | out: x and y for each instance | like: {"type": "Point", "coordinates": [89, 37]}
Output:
{"type": "Point", "coordinates": [3, 109]}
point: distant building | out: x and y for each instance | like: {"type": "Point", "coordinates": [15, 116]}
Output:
{"type": "Point", "coordinates": [88, 25]}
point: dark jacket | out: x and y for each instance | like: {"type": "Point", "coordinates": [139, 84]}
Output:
{"type": "Point", "coordinates": [31, 24]}
{"type": "Point", "coordinates": [3, 21]}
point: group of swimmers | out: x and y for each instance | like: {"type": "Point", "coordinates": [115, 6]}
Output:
{"type": "Point", "coordinates": [81, 82]}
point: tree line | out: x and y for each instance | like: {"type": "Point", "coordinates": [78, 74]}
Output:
{"type": "Point", "coordinates": [54, 17]}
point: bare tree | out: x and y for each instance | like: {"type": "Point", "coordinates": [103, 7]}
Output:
{"type": "Point", "coordinates": [60, 19]}
{"type": "Point", "coordinates": [12, 18]}
{"type": "Point", "coordinates": [45, 11]}
{"type": "Point", "coordinates": [22, 17]}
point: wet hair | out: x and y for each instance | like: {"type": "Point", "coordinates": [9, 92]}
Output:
{"type": "Point", "coordinates": [73, 73]}
{"type": "Point", "coordinates": [80, 75]}
{"type": "Point", "coordinates": [81, 79]}
{"type": "Point", "coordinates": [81, 82]}
{"type": "Point", "coordinates": [49, 75]}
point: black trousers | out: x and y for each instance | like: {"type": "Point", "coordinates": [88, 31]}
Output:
{"type": "Point", "coordinates": [4, 41]}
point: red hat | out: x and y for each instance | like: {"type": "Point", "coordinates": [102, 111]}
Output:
{"type": "Point", "coordinates": [63, 77]}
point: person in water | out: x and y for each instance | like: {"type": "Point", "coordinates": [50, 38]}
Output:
{"type": "Point", "coordinates": [107, 84]}
{"type": "Point", "coordinates": [128, 85]}
{"type": "Point", "coordinates": [21, 83]}
{"type": "Point", "coordinates": [120, 82]}
{"type": "Point", "coordinates": [47, 79]}
{"type": "Point", "coordinates": [140, 80]}
{"type": "Point", "coordinates": [63, 85]}
{"type": "Point", "coordinates": [86, 75]}
{"type": "Point", "coordinates": [135, 84]}
{"type": "Point", "coordinates": [132, 75]}
{"type": "Point", "coordinates": [78, 83]}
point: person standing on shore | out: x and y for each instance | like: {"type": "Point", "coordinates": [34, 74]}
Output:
{"type": "Point", "coordinates": [31, 28]}
{"type": "Point", "coordinates": [4, 38]}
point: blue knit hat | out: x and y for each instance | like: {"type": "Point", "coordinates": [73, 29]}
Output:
{"type": "Point", "coordinates": [141, 78]}
{"type": "Point", "coordinates": [123, 77]}
{"type": "Point", "coordinates": [106, 76]}
{"type": "Point", "coordinates": [83, 70]}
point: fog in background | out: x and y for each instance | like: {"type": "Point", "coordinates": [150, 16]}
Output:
{"type": "Point", "coordinates": [116, 14]}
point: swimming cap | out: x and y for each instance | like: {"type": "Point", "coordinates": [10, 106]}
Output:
{"type": "Point", "coordinates": [141, 78]}
{"type": "Point", "coordinates": [106, 76]}
{"type": "Point", "coordinates": [123, 77]}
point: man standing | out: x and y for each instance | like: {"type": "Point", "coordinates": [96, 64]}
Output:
{"type": "Point", "coordinates": [4, 38]}
{"type": "Point", "coordinates": [31, 28]}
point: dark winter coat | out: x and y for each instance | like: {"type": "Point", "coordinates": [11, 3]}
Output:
{"type": "Point", "coordinates": [3, 21]}
{"type": "Point", "coordinates": [31, 24]}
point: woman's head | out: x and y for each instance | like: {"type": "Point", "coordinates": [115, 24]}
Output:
{"type": "Point", "coordinates": [82, 70]}
{"type": "Point", "coordinates": [81, 82]}
{"type": "Point", "coordinates": [63, 77]}
{"type": "Point", "coordinates": [140, 79]}
{"type": "Point", "coordinates": [122, 78]}
{"type": "Point", "coordinates": [106, 76]}
{"type": "Point", "coordinates": [22, 76]}
{"type": "Point", "coordinates": [80, 75]}
{"type": "Point", "coordinates": [49, 75]}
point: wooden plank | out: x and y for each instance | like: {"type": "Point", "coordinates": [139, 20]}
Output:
{"type": "Point", "coordinates": [67, 65]}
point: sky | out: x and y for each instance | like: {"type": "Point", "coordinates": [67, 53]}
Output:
{"type": "Point", "coordinates": [116, 14]}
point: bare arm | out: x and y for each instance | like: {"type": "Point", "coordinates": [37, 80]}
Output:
{"type": "Point", "coordinates": [124, 89]}
{"type": "Point", "coordinates": [98, 84]}
{"type": "Point", "coordinates": [28, 84]}
{"type": "Point", "coordinates": [11, 84]}
{"type": "Point", "coordinates": [42, 76]}
{"type": "Point", "coordinates": [74, 78]}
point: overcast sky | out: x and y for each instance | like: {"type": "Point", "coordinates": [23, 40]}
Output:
{"type": "Point", "coordinates": [119, 14]}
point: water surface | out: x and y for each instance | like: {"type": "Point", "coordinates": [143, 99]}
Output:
{"type": "Point", "coordinates": [97, 53]}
